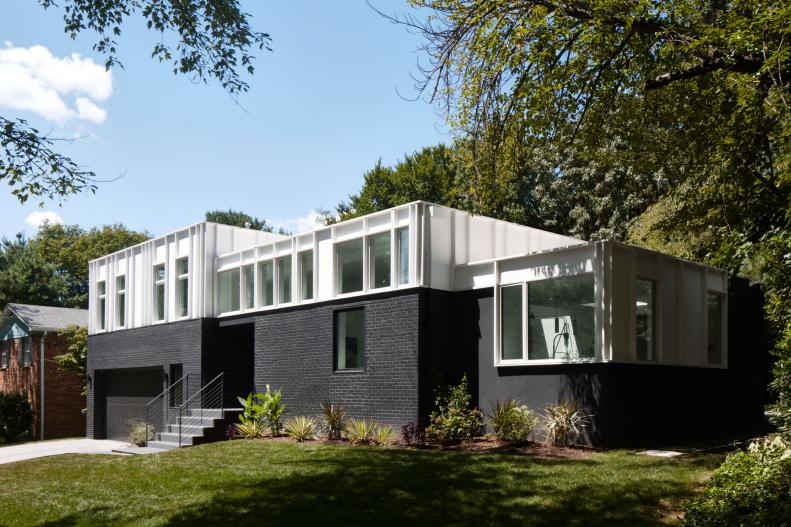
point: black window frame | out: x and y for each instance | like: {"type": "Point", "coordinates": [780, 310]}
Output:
{"type": "Point", "coordinates": [335, 317]}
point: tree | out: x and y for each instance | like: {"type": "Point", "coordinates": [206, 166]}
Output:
{"type": "Point", "coordinates": [76, 357]}
{"type": "Point", "coordinates": [69, 248]}
{"type": "Point", "coordinates": [214, 41]}
{"type": "Point", "coordinates": [237, 219]}
{"type": "Point", "coordinates": [26, 278]}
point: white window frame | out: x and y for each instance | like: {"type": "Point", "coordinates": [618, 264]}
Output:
{"type": "Point", "coordinates": [26, 352]}
{"type": "Point", "coordinates": [243, 283]}
{"type": "Point", "coordinates": [337, 268]}
{"type": "Point", "coordinates": [369, 256]}
{"type": "Point", "coordinates": [277, 299]}
{"type": "Point", "coordinates": [657, 351]}
{"type": "Point", "coordinates": [120, 299]}
{"type": "Point", "coordinates": [397, 244]}
{"type": "Point", "coordinates": [260, 299]}
{"type": "Point", "coordinates": [524, 361]}
{"type": "Point", "coordinates": [182, 280]}
{"type": "Point", "coordinates": [157, 283]}
{"type": "Point", "coordinates": [101, 314]}
{"type": "Point", "coordinates": [5, 354]}
{"type": "Point", "coordinates": [300, 273]}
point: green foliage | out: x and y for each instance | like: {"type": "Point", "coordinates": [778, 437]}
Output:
{"type": "Point", "coordinates": [360, 431]}
{"type": "Point", "coordinates": [26, 278]}
{"type": "Point", "coordinates": [383, 435]}
{"type": "Point", "coordinates": [512, 422]}
{"type": "Point", "coordinates": [300, 428]}
{"type": "Point", "coordinates": [69, 248]}
{"type": "Point", "coordinates": [237, 219]}
{"type": "Point", "coordinates": [250, 428]}
{"type": "Point", "coordinates": [751, 488]}
{"type": "Point", "coordinates": [204, 39]}
{"type": "Point", "coordinates": [564, 423]}
{"type": "Point", "coordinates": [140, 432]}
{"type": "Point", "coordinates": [264, 409]}
{"type": "Point", "coordinates": [76, 357]}
{"type": "Point", "coordinates": [16, 417]}
{"type": "Point", "coordinates": [453, 418]}
{"type": "Point", "coordinates": [335, 418]}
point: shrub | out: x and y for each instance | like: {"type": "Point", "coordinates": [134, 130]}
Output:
{"type": "Point", "coordinates": [564, 423]}
{"type": "Point", "coordinates": [360, 431]}
{"type": "Point", "coordinates": [250, 429]}
{"type": "Point", "coordinates": [382, 435]}
{"type": "Point", "coordinates": [511, 422]}
{"type": "Point", "coordinates": [16, 417]}
{"type": "Point", "coordinates": [412, 433]}
{"type": "Point", "coordinates": [231, 431]}
{"type": "Point", "coordinates": [335, 417]}
{"type": "Point", "coordinates": [140, 432]}
{"type": "Point", "coordinates": [262, 407]}
{"type": "Point", "coordinates": [453, 419]}
{"type": "Point", "coordinates": [749, 489]}
{"type": "Point", "coordinates": [300, 428]}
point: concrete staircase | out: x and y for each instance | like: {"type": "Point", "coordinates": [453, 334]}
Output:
{"type": "Point", "coordinates": [199, 425]}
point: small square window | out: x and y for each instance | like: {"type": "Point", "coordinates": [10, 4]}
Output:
{"type": "Point", "coordinates": [349, 339]}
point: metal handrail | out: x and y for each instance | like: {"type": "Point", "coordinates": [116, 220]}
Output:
{"type": "Point", "coordinates": [210, 394]}
{"type": "Point", "coordinates": [157, 408]}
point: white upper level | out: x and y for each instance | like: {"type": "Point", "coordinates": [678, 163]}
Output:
{"type": "Point", "coordinates": [212, 270]}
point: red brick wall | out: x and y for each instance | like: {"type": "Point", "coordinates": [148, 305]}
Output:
{"type": "Point", "coordinates": [63, 403]}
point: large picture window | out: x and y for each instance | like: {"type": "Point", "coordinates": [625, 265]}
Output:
{"type": "Point", "coordinates": [101, 308]}
{"type": "Point", "coordinates": [349, 339]}
{"type": "Point", "coordinates": [714, 342]}
{"type": "Point", "coordinates": [349, 259]}
{"type": "Point", "coordinates": [182, 287]}
{"type": "Point", "coordinates": [379, 270]}
{"type": "Point", "coordinates": [120, 301]}
{"type": "Point", "coordinates": [645, 319]}
{"type": "Point", "coordinates": [266, 281]}
{"type": "Point", "coordinates": [228, 290]}
{"type": "Point", "coordinates": [284, 280]}
{"type": "Point", "coordinates": [306, 275]}
{"type": "Point", "coordinates": [159, 292]}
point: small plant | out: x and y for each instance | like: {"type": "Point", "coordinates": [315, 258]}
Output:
{"type": "Point", "coordinates": [382, 435]}
{"type": "Point", "coordinates": [360, 431]}
{"type": "Point", "coordinates": [272, 408]}
{"type": "Point", "coordinates": [250, 429]}
{"type": "Point", "coordinates": [16, 417]}
{"type": "Point", "coordinates": [231, 431]}
{"type": "Point", "coordinates": [511, 422]}
{"type": "Point", "coordinates": [412, 433]}
{"type": "Point", "coordinates": [335, 417]}
{"type": "Point", "coordinates": [564, 423]}
{"type": "Point", "coordinates": [453, 418]}
{"type": "Point", "coordinates": [300, 428]}
{"type": "Point", "coordinates": [140, 432]}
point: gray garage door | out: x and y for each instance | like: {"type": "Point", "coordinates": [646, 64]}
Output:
{"type": "Point", "coordinates": [127, 392]}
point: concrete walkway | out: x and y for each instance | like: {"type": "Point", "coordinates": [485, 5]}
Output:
{"type": "Point", "coordinates": [10, 454]}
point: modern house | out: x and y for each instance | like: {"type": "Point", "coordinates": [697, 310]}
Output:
{"type": "Point", "coordinates": [369, 312]}
{"type": "Point", "coordinates": [28, 342]}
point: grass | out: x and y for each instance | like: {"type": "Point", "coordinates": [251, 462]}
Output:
{"type": "Point", "coordinates": [278, 483]}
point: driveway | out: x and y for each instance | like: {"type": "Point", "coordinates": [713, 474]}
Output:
{"type": "Point", "coordinates": [10, 454]}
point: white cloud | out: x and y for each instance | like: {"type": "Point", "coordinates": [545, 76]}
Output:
{"type": "Point", "coordinates": [305, 223]}
{"type": "Point", "coordinates": [35, 80]}
{"type": "Point", "coordinates": [36, 219]}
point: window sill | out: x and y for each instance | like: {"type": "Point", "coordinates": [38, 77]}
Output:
{"type": "Point", "coordinates": [544, 362]}
{"type": "Point", "coordinates": [349, 370]}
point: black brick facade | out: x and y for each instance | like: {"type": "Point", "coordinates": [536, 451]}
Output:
{"type": "Point", "coordinates": [294, 350]}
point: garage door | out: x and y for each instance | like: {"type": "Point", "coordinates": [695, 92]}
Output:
{"type": "Point", "coordinates": [126, 394]}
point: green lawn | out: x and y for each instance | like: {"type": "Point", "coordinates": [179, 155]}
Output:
{"type": "Point", "coordinates": [276, 483]}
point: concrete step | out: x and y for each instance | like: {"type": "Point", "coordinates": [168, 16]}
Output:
{"type": "Point", "coordinates": [163, 445]}
{"type": "Point", "coordinates": [194, 429]}
{"type": "Point", "coordinates": [170, 437]}
{"type": "Point", "coordinates": [192, 421]}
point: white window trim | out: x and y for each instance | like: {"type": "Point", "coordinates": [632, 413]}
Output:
{"type": "Point", "coordinates": [5, 354]}
{"type": "Point", "coordinates": [185, 276]}
{"type": "Point", "coordinates": [276, 275]}
{"type": "Point", "coordinates": [259, 291]}
{"type": "Point", "coordinates": [396, 283]}
{"type": "Point", "coordinates": [101, 314]}
{"type": "Point", "coordinates": [121, 324]}
{"type": "Point", "coordinates": [370, 259]}
{"type": "Point", "coordinates": [157, 283]}
{"type": "Point", "coordinates": [657, 359]}
{"type": "Point", "coordinates": [299, 274]}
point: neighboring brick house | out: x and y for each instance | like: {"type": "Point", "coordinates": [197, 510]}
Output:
{"type": "Point", "coordinates": [28, 334]}
{"type": "Point", "coordinates": [365, 312]}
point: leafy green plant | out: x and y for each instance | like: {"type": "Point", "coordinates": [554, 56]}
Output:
{"type": "Point", "coordinates": [300, 428]}
{"type": "Point", "coordinates": [749, 489]}
{"type": "Point", "coordinates": [453, 418]}
{"type": "Point", "coordinates": [512, 422]}
{"type": "Point", "coordinates": [140, 432]}
{"type": "Point", "coordinates": [564, 422]}
{"type": "Point", "coordinates": [272, 409]}
{"type": "Point", "coordinates": [335, 418]}
{"type": "Point", "coordinates": [382, 435]}
{"type": "Point", "coordinates": [360, 431]}
{"type": "Point", "coordinates": [16, 417]}
{"type": "Point", "coordinates": [250, 429]}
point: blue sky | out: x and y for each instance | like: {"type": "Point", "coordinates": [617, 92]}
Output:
{"type": "Point", "coordinates": [323, 106]}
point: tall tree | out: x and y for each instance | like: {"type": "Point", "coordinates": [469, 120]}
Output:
{"type": "Point", "coordinates": [237, 219]}
{"type": "Point", "coordinates": [26, 278]}
{"type": "Point", "coordinates": [213, 41]}
{"type": "Point", "coordinates": [69, 248]}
